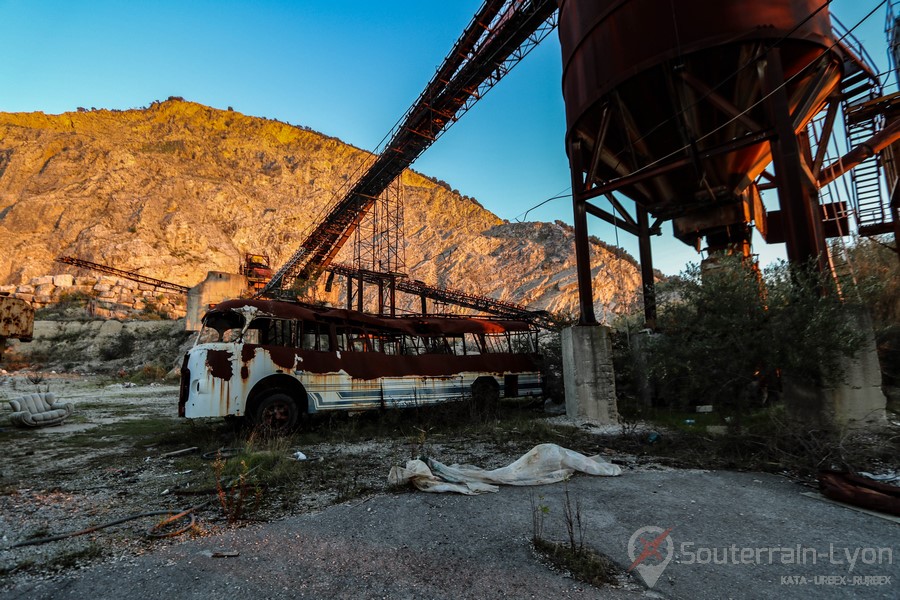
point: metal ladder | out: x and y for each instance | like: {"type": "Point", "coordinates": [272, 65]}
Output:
{"type": "Point", "coordinates": [861, 85]}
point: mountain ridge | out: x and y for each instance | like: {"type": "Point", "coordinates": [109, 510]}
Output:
{"type": "Point", "coordinates": [178, 189]}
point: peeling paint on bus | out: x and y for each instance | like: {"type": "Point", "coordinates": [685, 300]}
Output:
{"type": "Point", "coordinates": [344, 379]}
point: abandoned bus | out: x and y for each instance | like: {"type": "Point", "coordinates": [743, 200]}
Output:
{"type": "Point", "coordinates": [272, 361]}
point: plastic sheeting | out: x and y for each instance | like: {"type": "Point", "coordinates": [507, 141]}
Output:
{"type": "Point", "coordinates": [545, 463]}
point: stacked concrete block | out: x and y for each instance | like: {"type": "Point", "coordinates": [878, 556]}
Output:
{"type": "Point", "coordinates": [109, 297]}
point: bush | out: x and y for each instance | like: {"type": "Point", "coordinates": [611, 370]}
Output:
{"type": "Point", "coordinates": [728, 331]}
{"type": "Point", "coordinates": [121, 347]}
{"type": "Point", "coordinates": [873, 263]}
{"type": "Point", "coordinates": [70, 305]}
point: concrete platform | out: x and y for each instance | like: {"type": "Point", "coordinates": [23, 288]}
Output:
{"type": "Point", "coordinates": [733, 535]}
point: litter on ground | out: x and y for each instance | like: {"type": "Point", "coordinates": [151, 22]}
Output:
{"type": "Point", "coordinates": [545, 463]}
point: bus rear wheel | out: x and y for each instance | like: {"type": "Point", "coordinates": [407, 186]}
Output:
{"type": "Point", "coordinates": [276, 412]}
{"type": "Point", "coordinates": [486, 398]}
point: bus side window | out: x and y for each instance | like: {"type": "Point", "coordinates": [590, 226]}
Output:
{"type": "Point", "coordinates": [413, 345]}
{"type": "Point", "coordinates": [391, 346]}
{"type": "Point", "coordinates": [340, 337]}
{"type": "Point", "coordinates": [358, 340]}
{"type": "Point", "coordinates": [308, 341]}
{"type": "Point", "coordinates": [473, 343]}
{"type": "Point", "coordinates": [274, 332]}
{"type": "Point", "coordinates": [437, 344]}
{"type": "Point", "coordinates": [457, 346]}
{"type": "Point", "coordinates": [305, 339]}
{"type": "Point", "coordinates": [313, 337]}
{"type": "Point", "coordinates": [522, 343]}
{"type": "Point", "coordinates": [358, 343]}
{"type": "Point", "coordinates": [494, 344]}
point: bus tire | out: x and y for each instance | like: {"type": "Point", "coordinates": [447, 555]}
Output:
{"type": "Point", "coordinates": [276, 411]}
{"type": "Point", "coordinates": [486, 397]}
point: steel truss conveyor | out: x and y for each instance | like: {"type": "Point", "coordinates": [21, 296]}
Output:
{"type": "Point", "coordinates": [498, 37]}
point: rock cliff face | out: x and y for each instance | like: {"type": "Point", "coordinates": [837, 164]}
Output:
{"type": "Point", "coordinates": [178, 189]}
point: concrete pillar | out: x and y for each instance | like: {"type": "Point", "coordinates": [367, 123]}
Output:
{"type": "Point", "coordinates": [588, 374]}
{"type": "Point", "coordinates": [640, 369]}
{"type": "Point", "coordinates": [855, 402]}
{"type": "Point", "coordinates": [216, 287]}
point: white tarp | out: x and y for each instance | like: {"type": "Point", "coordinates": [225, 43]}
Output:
{"type": "Point", "coordinates": [545, 463]}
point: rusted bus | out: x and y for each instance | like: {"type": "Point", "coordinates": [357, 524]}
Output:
{"type": "Point", "coordinates": [16, 319]}
{"type": "Point", "coordinates": [272, 361]}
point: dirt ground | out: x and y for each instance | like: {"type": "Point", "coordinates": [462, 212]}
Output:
{"type": "Point", "coordinates": [125, 452]}
{"type": "Point", "coordinates": [109, 461]}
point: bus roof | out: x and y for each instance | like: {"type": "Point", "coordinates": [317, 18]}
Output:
{"type": "Point", "coordinates": [418, 325]}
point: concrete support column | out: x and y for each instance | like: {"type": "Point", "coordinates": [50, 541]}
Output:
{"type": "Point", "coordinates": [588, 374]}
{"type": "Point", "coordinates": [856, 402]}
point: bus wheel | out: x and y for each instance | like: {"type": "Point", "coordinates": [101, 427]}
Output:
{"type": "Point", "coordinates": [486, 398]}
{"type": "Point", "coordinates": [276, 412]}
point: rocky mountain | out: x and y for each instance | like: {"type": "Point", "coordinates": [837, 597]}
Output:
{"type": "Point", "coordinates": [178, 189]}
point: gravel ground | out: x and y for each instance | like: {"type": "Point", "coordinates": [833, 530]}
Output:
{"type": "Point", "coordinates": [107, 462]}
{"type": "Point", "coordinates": [332, 527]}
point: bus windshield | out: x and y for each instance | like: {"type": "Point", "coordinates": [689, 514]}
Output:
{"type": "Point", "coordinates": [221, 327]}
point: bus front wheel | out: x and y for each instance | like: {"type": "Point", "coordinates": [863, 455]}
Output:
{"type": "Point", "coordinates": [277, 412]}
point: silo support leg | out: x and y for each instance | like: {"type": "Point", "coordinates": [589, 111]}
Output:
{"type": "Point", "coordinates": [796, 195]}
{"type": "Point", "coordinates": [646, 256]}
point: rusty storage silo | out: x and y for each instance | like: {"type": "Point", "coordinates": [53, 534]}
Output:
{"type": "Point", "coordinates": [681, 105]}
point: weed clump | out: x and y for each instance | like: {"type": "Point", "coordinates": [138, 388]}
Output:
{"type": "Point", "coordinates": [572, 555]}
{"type": "Point", "coordinates": [121, 346]}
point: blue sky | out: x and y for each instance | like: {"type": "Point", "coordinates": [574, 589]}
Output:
{"type": "Point", "coordinates": [345, 68]}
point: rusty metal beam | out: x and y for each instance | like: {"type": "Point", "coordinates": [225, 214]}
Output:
{"type": "Point", "coordinates": [598, 143]}
{"type": "Point", "coordinates": [867, 149]}
{"type": "Point", "coordinates": [798, 200]}
{"type": "Point", "coordinates": [131, 275]}
{"type": "Point", "coordinates": [649, 173]}
{"type": "Point", "coordinates": [648, 285]}
{"type": "Point", "coordinates": [610, 218]}
{"type": "Point", "coordinates": [582, 245]}
{"type": "Point", "coordinates": [719, 102]}
{"type": "Point", "coordinates": [621, 210]}
{"type": "Point", "coordinates": [827, 128]}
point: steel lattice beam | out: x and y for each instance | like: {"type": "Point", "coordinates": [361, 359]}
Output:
{"type": "Point", "coordinates": [157, 283]}
{"type": "Point", "coordinates": [497, 38]}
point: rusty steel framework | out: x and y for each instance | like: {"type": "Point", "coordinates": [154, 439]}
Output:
{"type": "Point", "coordinates": [390, 283]}
{"type": "Point", "coordinates": [131, 275]}
{"type": "Point", "coordinates": [379, 248]}
{"type": "Point", "coordinates": [499, 36]}
{"type": "Point", "coordinates": [378, 244]}
{"type": "Point", "coordinates": [685, 120]}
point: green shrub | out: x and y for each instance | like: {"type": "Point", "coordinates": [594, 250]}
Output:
{"type": "Point", "coordinates": [69, 305]}
{"type": "Point", "coordinates": [728, 331]}
{"type": "Point", "coordinates": [120, 347]}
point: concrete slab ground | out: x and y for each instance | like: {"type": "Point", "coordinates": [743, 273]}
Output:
{"type": "Point", "coordinates": [733, 535]}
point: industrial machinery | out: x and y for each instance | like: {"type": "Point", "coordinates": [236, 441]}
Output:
{"type": "Point", "coordinates": [257, 271]}
{"type": "Point", "coordinates": [682, 107]}
{"type": "Point", "coordinates": [689, 109]}
{"type": "Point", "coordinates": [500, 34]}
